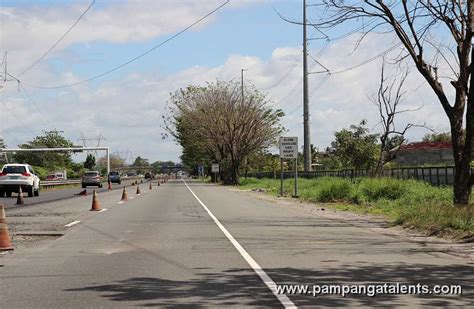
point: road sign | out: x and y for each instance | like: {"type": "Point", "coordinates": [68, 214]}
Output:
{"type": "Point", "coordinates": [288, 147]}
{"type": "Point", "coordinates": [215, 167]}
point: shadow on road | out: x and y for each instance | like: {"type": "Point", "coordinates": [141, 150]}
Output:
{"type": "Point", "coordinates": [242, 287]}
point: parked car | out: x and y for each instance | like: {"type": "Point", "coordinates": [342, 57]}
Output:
{"type": "Point", "coordinates": [115, 177]}
{"type": "Point", "coordinates": [91, 178]}
{"type": "Point", "coordinates": [14, 176]}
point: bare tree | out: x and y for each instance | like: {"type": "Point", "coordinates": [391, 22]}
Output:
{"type": "Point", "coordinates": [227, 126]}
{"type": "Point", "coordinates": [388, 98]}
{"type": "Point", "coordinates": [427, 29]}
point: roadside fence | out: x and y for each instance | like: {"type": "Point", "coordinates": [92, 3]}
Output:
{"type": "Point", "coordinates": [435, 175]}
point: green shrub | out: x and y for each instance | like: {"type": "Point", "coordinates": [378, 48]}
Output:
{"type": "Point", "coordinates": [335, 190]}
{"type": "Point", "coordinates": [41, 172]}
{"type": "Point", "coordinates": [382, 188]}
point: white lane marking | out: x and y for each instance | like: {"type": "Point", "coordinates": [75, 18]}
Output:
{"type": "Point", "coordinates": [102, 210]}
{"type": "Point", "coordinates": [121, 202]}
{"type": "Point", "coordinates": [72, 223]}
{"type": "Point", "coordinates": [131, 197]}
{"type": "Point", "coordinates": [284, 300]}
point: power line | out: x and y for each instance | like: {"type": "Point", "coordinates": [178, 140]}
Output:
{"type": "Point", "coordinates": [137, 57]}
{"type": "Point", "coordinates": [367, 61]}
{"type": "Point", "coordinates": [59, 40]}
{"type": "Point", "coordinates": [24, 92]}
{"type": "Point", "coordinates": [282, 78]}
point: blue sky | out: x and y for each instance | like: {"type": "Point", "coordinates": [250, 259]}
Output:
{"type": "Point", "coordinates": [126, 106]}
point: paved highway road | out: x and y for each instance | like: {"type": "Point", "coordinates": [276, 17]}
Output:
{"type": "Point", "coordinates": [208, 246]}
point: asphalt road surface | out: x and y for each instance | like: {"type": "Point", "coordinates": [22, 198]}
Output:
{"type": "Point", "coordinates": [208, 246]}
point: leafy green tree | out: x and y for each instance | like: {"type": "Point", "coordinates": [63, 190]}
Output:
{"type": "Point", "coordinates": [139, 163]}
{"type": "Point", "coordinates": [356, 148]}
{"type": "Point", "coordinates": [90, 162]}
{"type": "Point", "coordinates": [116, 161]}
{"type": "Point", "coordinates": [3, 159]}
{"type": "Point", "coordinates": [217, 124]}
{"type": "Point", "coordinates": [50, 160]}
{"type": "Point", "coordinates": [163, 167]}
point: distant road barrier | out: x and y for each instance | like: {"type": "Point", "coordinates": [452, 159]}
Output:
{"type": "Point", "coordinates": [53, 183]}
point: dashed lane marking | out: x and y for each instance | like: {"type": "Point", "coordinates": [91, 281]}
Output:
{"type": "Point", "coordinates": [72, 223]}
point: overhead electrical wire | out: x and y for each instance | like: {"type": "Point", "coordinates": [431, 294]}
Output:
{"type": "Point", "coordinates": [28, 97]}
{"type": "Point", "coordinates": [137, 57]}
{"type": "Point", "coordinates": [58, 41]}
{"type": "Point", "coordinates": [282, 78]}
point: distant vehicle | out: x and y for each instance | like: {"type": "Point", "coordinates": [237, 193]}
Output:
{"type": "Point", "coordinates": [57, 176]}
{"type": "Point", "coordinates": [115, 177]}
{"type": "Point", "coordinates": [91, 178]}
{"type": "Point", "coordinates": [149, 175]}
{"type": "Point", "coordinates": [14, 176]}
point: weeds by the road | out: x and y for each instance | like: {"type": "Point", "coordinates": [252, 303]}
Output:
{"type": "Point", "coordinates": [410, 203]}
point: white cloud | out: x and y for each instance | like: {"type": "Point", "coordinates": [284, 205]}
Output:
{"type": "Point", "coordinates": [127, 110]}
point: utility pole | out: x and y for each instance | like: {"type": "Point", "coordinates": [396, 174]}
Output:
{"type": "Point", "coordinates": [306, 128]}
{"type": "Point", "coordinates": [242, 84]}
{"type": "Point", "coordinates": [242, 100]}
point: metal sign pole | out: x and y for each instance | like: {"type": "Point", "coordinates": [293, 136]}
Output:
{"type": "Point", "coordinates": [281, 177]}
{"type": "Point", "coordinates": [296, 177]}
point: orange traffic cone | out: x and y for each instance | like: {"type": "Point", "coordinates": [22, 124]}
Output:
{"type": "Point", "coordinates": [5, 243]}
{"type": "Point", "coordinates": [110, 185]}
{"type": "Point", "coordinates": [138, 189]}
{"type": "Point", "coordinates": [95, 202]}
{"type": "Point", "coordinates": [149, 187]}
{"type": "Point", "coordinates": [19, 200]}
{"type": "Point", "coordinates": [124, 194]}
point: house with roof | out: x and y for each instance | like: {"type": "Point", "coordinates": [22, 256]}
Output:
{"type": "Point", "coordinates": [425, 153]}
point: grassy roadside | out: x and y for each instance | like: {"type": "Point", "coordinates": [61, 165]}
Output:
{"type": "Point", "coordinates": [410, 203]}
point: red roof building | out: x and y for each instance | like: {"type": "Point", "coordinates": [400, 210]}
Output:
{"type": "Point", "coordinates": [425, 153]}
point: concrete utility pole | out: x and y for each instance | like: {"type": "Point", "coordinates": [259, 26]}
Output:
{"type": "Point", "coordinates": [242, 83]}
{"type": "Point", "coordinates": [306, 128]}
{"type": "Point", "coordinates": [242, 98]}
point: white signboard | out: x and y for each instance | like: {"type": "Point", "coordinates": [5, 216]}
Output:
{"type": "Point", "coordinates": [215, 167]}
{"type": "Point", "coordinates": [288, 147]}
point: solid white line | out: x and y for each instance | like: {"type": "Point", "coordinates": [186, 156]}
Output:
{"type": "Point", "coordinates": [284, 300]}
{"type": "Point", "coordinates": [72, 223]}
{"type": "Point", "coordinates": [102, 210]}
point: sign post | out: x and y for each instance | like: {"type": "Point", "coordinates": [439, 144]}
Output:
{"type": "Point", "coordinates": [215, 170]}
{"type": "Point", "coordinates": [289, 150]}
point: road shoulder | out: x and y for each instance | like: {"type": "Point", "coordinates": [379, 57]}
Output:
{"type": "Point", "coordinates": [375, 223]}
